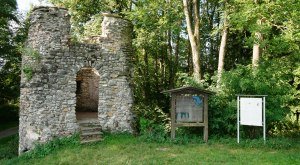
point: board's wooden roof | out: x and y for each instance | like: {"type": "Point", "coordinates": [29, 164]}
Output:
{"type": "Point", "coordinates": [188, 89]}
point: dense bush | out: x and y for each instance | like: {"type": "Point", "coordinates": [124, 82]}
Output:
{"type": "Point", "coordinates": [286, 128]}
{"type": "Point", "coordinates": [151, 120]}
{"type": "Point", "coordinates": [270, 78]}
{"type": "Point", "coordinates": [9, 147]}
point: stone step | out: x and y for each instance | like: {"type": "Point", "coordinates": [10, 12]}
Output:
{"type": "Point", "coordinates": [91, 133]}
{"type": "Point", "coordinates": [88, 121]}
{"type": "Point", "coordinates": [89, 124]}
{"type": "Point", "coordinates": [90, 129]}
{"type": "Point", "coordinates": [90, 136]}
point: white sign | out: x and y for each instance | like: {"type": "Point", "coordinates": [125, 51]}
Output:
{"type": "Point", "coordinates": [251, 111]}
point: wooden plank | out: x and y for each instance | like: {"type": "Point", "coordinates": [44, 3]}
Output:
{"type": "Point", "coordinates": [205, 129]}
{"type": "Point", "coordinates": [173, 105]}
{"type": "Point", "coordinates": [189, 125]}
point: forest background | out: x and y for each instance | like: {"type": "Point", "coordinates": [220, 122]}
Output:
{"type": "Point", "coordinates": [227, 46]}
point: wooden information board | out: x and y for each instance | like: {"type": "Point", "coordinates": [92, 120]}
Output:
{"type": "Point", "coordinates": [189, 108]}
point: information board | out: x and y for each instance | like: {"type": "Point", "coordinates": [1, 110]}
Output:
{"type": "Point", "coordinates": [251, 111]}
{"type": "Point", "coordinates": [189, 109]}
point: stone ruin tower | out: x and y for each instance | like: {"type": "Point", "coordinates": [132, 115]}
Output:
{"type": "Point", "coordinates": [63, 83]}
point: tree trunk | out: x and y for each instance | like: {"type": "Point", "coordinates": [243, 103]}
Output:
{"type": "Point", "coordinates": [193, 35]}
{"type": "Point", "coordinates": [171, 66]}
{"type": "Point", "coordinates": [256, 48]}
{"type": "Point", "coordinates": [222, 49]}
{"type": "Point", "coordinates": [222, 52]}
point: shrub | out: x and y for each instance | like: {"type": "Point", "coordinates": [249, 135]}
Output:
{"type": "Point", "coordinates": [153, 123]}
{"type": "Point", "coordinates": [270, 78]}
{"type": "Point", "coordinates": [286, 128]}
{"type": "Point", "coordinates": [41, 150]}
{"type": "Point", "coordinates": [9, 147]}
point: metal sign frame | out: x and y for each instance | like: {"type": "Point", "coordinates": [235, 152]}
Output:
{"type": "Point", "coordinates": [263, 115]}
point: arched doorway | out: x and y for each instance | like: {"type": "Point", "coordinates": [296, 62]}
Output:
{"type": "Point", "coordinates": [87, 93]}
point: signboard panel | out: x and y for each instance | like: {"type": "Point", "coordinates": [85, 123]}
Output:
{"type": "Point", "coordinates": [251, 111]}
{"type": "Point", "coordinates": [189, 109]}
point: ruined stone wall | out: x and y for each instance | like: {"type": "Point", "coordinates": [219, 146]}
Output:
{"type": "Point", "coordinates": [50, 66]}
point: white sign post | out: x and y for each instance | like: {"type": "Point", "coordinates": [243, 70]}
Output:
{"type": "Point", "coordinates": [251, 111]}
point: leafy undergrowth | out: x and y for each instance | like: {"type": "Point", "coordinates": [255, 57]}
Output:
{"type": "Point", "coordinates": [127, 149]}
{"type": "Point", "coordinates": [8, 147]}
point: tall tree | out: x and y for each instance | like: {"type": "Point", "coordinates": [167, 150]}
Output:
{"type": "Point", "coordinates": [222, 49]}
{"type": "Point", "coordinates": [256, 45]}
{"type": "Point", "coordinates": [9, 73]}
{"type": "Point", "coordinates": [191, 12]}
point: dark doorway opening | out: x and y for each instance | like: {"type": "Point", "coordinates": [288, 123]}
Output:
{"type": "Point", "coordinates": [87, 93]}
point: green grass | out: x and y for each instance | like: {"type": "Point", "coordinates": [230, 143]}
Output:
{"type": "Point", "coordinates": [8, 147]}
{"type": "Point", "coordinates": [126, 149]}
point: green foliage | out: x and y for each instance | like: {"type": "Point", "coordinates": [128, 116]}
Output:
{"type": "Point", "coordinates": [270, 78]}
{"type": "Point", "coordinates": [7, 14]}
{"type": "Point", "coordinates": [28, 71]}
{"type": "Point", "coordinates": [85, 14]}
{"type": "Point", "coordinates": [152, 121]}
{"type": "Point", "coordinates": [9, 147]}
{"type": "Point", "coordinates": [10, 40]}
{"type": "Point", "coordinates": [10, 82]}
{"type": "Point", "coordinates": [185, 80]}
{"type": "Point", "coordinates": [155, 132]}
{"type": "Point", "coordinates": [7, 9]}
{"type": "Point", "coordinates": [286, 128]}
{"type": "Point", "coordinates": [33, 60]}
{"type": "Point", "coordinates": [151, 112]}
{"type": "Point", "coordinates": [30, 52]}
{"type": "Point", "coordinates": [42, 150]}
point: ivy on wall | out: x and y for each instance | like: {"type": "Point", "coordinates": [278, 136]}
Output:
{"type": "Point", "coordinates": [30, 67]}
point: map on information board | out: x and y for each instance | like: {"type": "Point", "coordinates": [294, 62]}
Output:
{"type": "Point", "coordinates": [251, 110]}
{"type": "Point", "coordinates": [189, 109]}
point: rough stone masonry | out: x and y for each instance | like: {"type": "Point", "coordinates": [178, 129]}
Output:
{"type": "Point", "coordinates": [51, 64]}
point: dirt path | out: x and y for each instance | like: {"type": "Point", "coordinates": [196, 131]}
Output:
{"type": "Point", "coordinates": [9, 132]}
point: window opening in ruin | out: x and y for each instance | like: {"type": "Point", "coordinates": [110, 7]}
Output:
{"type": "Point", "coordinates": [87, 93]}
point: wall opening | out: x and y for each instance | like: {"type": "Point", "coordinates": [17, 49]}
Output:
{"type": "Point", "coordinates": [87, 93]}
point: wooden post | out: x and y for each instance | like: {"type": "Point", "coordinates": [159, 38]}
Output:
{"type": "Point", "coordinates": [173, 100]}
{"type": "Point", "coordinates": [205, 128]}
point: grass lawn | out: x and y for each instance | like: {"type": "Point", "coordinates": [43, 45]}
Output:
{"type": "Point", "coordinates": [126, 149]}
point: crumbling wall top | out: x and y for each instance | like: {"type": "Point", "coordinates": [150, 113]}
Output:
{"type": "Point", "coordinates": [48, 8]}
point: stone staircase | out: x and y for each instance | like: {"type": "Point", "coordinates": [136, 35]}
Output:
{"type": "Point", "coordinates": [90, 130]}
